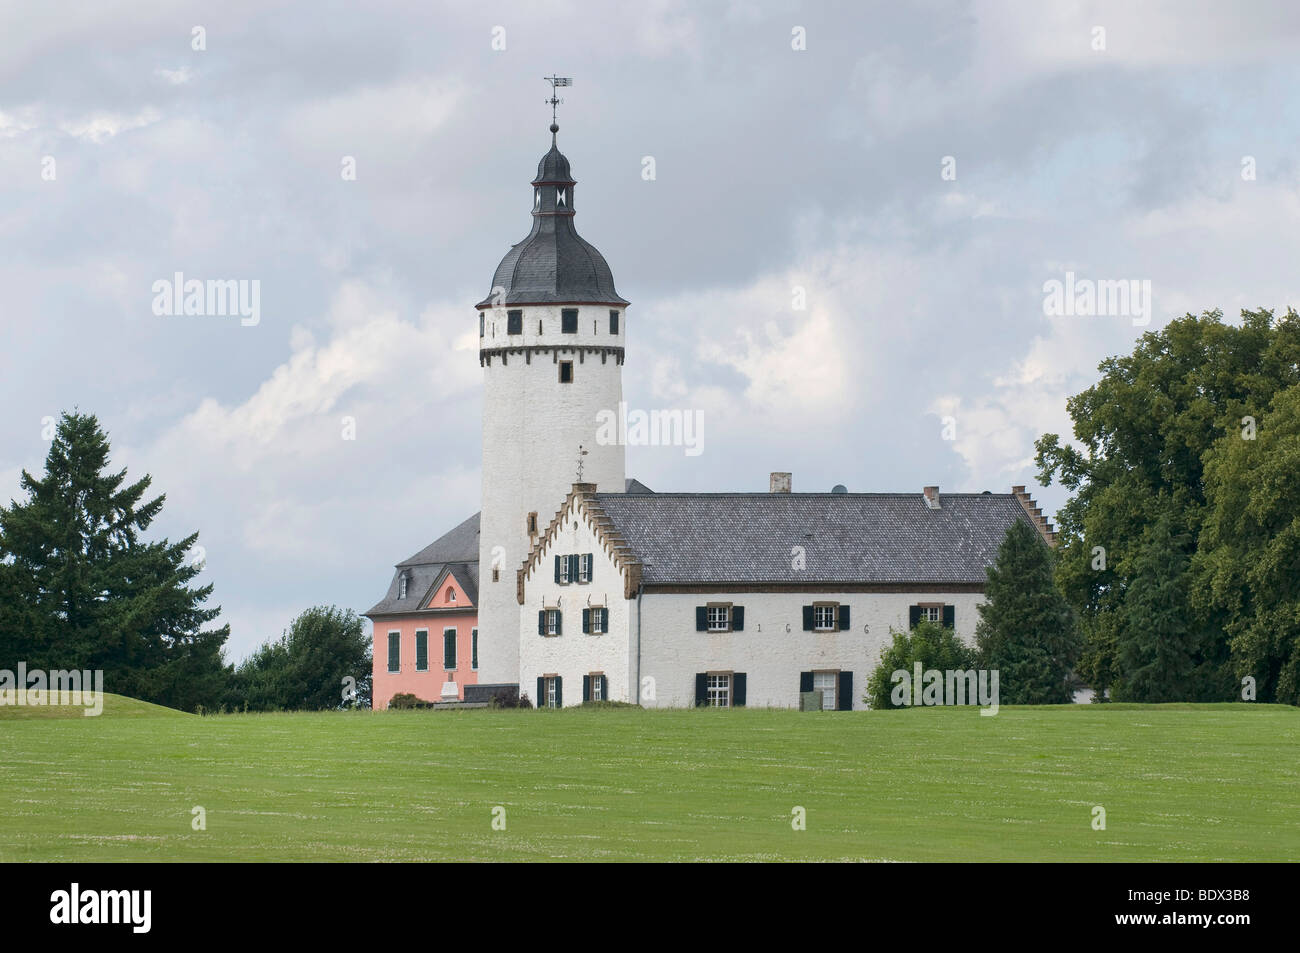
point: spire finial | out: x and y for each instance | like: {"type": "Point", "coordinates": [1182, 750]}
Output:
{"type": "Point", "coordinates": [556, 81]}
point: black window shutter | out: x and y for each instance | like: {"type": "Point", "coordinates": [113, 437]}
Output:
{"type": "Point", "coordinates": [807, 619]}
{"type": "Point", "coordinates": [557, 568]}
{"type": "Point", "coordinates": [604, 620]}
{"type": "Point", "coordinates": [738, 690]}
{"type": "Point", "coordinates": [559, 699]}
{"type": "Point", "coordinates": [604, 688]}
{"type": "Point", "coordinates": [913, 616]}
{"type": "Point", "coordinates": [737, 618]}
{"type": "Point", "coordinates": [591, 563]}
{"type": "Point", "coordinates": [573, 568]}
{"type": "Point", "coordinates": [701, 618]}
{"type": "Point", "coordinates": [701, 689]}
{"type": "Point", "coordinates": [805, 681]}
{"type": "Point", "coordinates": [586, 623]}
{"type": "Point", "coordinates": [586, 688]}
{"type": "Point", "coordinates": [950, 616]}
{"type": "Point", "coordinates": [843, 613]}
{"type": "Point", "coordinates": [844, 696]}
{"type": "Point", "coordinates": [541, 621]}
{"type": "Point", "coordinates": [541, 692]}
{"type": "Point", "coordinates": [559, 620]}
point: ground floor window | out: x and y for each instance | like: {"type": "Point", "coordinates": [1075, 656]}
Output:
{"type": "Point", "coordinates": [394, 651]}
{"type": "Point", "coordinates": [719, 691]}
{"type": "Point", "coordinates": [473, 635]}
{"type": "Point", "coordinates": [553, 691]}
{"type": "Point", "coordinates": [598, 688]}
{"type": "Point", "coordinates": [827, 683]}
{"type": "Point", "coordinates": [421, 651]}
{"type": "Point", "coordinates": [449, 649]}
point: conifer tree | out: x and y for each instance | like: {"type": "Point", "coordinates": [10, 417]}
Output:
{"type": "Point", "coordinates": [1027, 631]}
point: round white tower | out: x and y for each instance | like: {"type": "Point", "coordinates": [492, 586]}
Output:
{"type": "Point", "coordinates": [551, 336]}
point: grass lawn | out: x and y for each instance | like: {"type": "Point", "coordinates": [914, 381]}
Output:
{"type": "Point", "coordinates": [1178, 783]}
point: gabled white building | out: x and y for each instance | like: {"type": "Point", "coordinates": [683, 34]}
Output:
{"type": "Point", "coordinates": [680, 599]}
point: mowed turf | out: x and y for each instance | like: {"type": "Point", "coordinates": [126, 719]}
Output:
{"type": "Point", "coordinates": [1178, 783]}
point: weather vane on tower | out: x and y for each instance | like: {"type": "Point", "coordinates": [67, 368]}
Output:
{"type": "Point", "coordinates": [581, 453]}
{"type": "Point", "coordinates": [556, 82]}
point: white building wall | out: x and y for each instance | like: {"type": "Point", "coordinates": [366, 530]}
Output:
{"type": "Point", "coordinates": [573, 654]}
{"type": "Point", "coordinates": [532, 427]}
{"type": "Point", "coordinates": [773, 648]}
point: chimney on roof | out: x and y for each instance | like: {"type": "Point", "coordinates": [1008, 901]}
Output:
{"type": "Point", "coordinates": [932, 497]}
{"type": "Point", "coordinates": [779, 483]}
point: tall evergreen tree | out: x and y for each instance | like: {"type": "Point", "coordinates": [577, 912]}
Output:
{"type": "Point", "coordinates": [1158, 641]}
{"type": "Point", "coordinates": [82, 589]}
{"type": "Point", "coordinates": [1027, 630]}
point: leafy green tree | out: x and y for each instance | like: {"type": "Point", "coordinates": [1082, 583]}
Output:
{"type": "Point", "coordinates": [933, 645]}
{"type": "Point", "coordinates": [1143, 432]}
{"type": "Point", "coordinates": [306, 668]}
{"type": "Point", "coordinates": [1248, 565]}
{"type": "Point", "coordinates": [1027, 631]}
{"type": "Point", "coordinates": [80, 588]}
{"type": "Point", "coordinates": [1157, 641]}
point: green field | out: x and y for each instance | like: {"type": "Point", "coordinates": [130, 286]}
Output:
{"type": "Point", "coordinates": [1178, 783]}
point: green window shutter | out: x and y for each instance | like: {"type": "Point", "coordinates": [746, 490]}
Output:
{"type": "Point", "coordinates": [738, 690]}
{"type": "Point", "coordinates": [557, 568]}
{"type": "Point", "coordinates": [559, 622]}
{"type": "Point", "coordinates": [808, 620]}
{"type": "Point", "coordinates": [586, 688]}
{"type": "Point", "coordinates": [805, 681]}
{"type": "Point", "coordinates": [701, 689]}
{"type": "Point", "coordinates": [604, 620]}
{"type": "Point", "coordinates": [701, 618]}
{"type": "Point", "coordinates": [394, 651]}
{"type": "Point", "coordinates": [541, 692]}
{"type": "Point", "coordinates": [449, 649]}
{"type": "Point", "coordinates": [474, 649]}
{"type": "Point", "coordinates": [844, 695]}
{"type": "Point", "coordinates": [950, 616]}
{"type": "Point", "coordinates": [574, 575]}
{"type": "Point", "coordinates": [541, 621]}
{"type": "Point", "coordinates": [737, 618]}
{"type": "Point", "coordinates": [843, 613]}
{"type": "Point", "coordinates": [422, 651]}
{"type": "Point", "coordinates": [591, 564]}
{"type": "Point", "coordinates": [559, 699]}
{"type": "Point", "coordinates": [913, 616]}
{"type": "Point", "coordinates": [604, 688]}
{"type": "Point", "coordinates": [586, 622]}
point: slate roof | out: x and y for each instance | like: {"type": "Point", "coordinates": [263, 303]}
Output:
{"type": "Point", "coordinates": [456, 550]}
{"type": "Point", "coordinates": [553, 264]}
{"type": "Point", "coordinates": [683, 538]}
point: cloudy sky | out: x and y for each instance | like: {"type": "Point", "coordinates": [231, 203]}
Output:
{"type": "Point", "coordinates": [127, 155]}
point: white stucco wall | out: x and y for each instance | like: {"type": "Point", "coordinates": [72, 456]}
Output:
{"type": "Point", "coordinates": [672, 652]}
{"type": "Point", "coordinates": [573, 654]}
{"type": "Point", "coordinates": [532, 427]}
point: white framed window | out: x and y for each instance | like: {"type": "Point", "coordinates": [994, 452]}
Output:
{"type": "Point", "coordinates": [421, 650]}
{"type": "Point", "coordinates": [719, 687]}
{"type": "Point", "coordinates": [401, 586]}
{"type": "Point", "coordinates": [552, 621]}
{"type": "Point", "coordinates": [597, 686]}
{"type": "Point", "coordinates": [824, 618]}
{"type": "Point", "coordinates": [719, 619]}
{"type": "Point", "coordinates": [552, 691]}
{"type": "Point", "coordinates": [597, 621]}
{"type": "Point", "coordinates": [564, 569]}
{"type": "Point", "coordinates": [584, 567]}
{"type": "Point", "coordinates": [394, 651]}
{"type": "Point", "coordinates": [449, 649]}
{"type": "Point", "coordinates": [451, 594]}
{"type": "Point", "coordinates": [828, 684]}
{"type": "Point", "coordinates": [931, 613]}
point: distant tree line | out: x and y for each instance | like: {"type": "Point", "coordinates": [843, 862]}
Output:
{"type": "Point", "coordinates": [80, 588]}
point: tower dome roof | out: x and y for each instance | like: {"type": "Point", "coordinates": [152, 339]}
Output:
{"type": "Point", "coordinates": [553, 264]}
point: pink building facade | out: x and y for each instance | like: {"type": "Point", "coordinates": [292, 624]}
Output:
{"type": "Point", "coordinates": [426, 626]}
